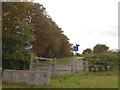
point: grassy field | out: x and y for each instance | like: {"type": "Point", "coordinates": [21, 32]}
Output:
{"type": "Point", "coordinates": [62, 61]}
{"type": "Point", "coordinates": [87, 80]}
{"type": "Point", "coordinates": [78, 80]}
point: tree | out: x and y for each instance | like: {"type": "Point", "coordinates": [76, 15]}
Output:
{"type": "Point", "coordinates": [100, 48]}
{"type": "Point", "coordinates": [28, 24]}
{"type": "Point", "coordinates": [17, 32]}
{"type": "Point", "coordinates": [87, 51]}
{"type": "Point", "coordinates": [101, 59]}
{"type": "Point", "coordinates": [50, 40]}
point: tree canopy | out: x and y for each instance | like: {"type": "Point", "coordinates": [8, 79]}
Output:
{"type": "Point", "coordinates": [100, 48]}
{"type": "Point", "coordinates": [27, 23]}
{"type": "Point", "coordinates": [101, 57]}
{"type": "Point", "coordinates": [87, 51]}
{"type": "Point", "coordinates": [16, 31]}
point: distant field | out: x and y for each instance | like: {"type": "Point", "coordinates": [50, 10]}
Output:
{"type": "Point", "coordinates": [62, 61]}
{"type": "Point", "coordinates": [78, 80]}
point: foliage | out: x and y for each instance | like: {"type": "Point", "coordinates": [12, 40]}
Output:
{"type": "Point", "coordinates": [17, 33]}
{"type": "Point", "coordinates": [16, 64]}
{"type": "Point", "coordinates": [100, 48]}
{"type": "Point", "coordinates": [87, 51]}
{"type": "Point", "coordinates": [27, 24]}
{"type": "Point", "coordinates": [50, 40]}
{"type": "Point", "coordinates": [102, 58]}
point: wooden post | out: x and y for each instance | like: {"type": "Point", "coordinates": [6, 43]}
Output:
{"type": "Point", "coordinates": [87, 66]}
{"type": "Point", "coordinates": [75, 61]}
{"type": "Point", "coordinates": [31, 61]}
{"type": "Point", "coordinates": [75, 65]}
{"type": "Point", "coordinates": [72, 67]}
{"type": "Point", "coordinates": [72, 70]}
{"type": "Point", "coordinates": [54, 64]}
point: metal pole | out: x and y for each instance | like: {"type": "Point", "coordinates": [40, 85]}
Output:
{"type": "Point", "coordinates": [75, 60]}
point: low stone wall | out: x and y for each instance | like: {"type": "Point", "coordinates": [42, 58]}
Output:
{"type": "Point", "coordinates": [27, 76]}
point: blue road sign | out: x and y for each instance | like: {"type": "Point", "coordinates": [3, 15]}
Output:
{"type": "Point", "coordinates": [28, 47]}
{"type": "Point", "coordinates": [75, 48]}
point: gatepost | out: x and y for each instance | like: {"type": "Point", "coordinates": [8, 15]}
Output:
{"type": "Point", "coordinates": [54, 67]}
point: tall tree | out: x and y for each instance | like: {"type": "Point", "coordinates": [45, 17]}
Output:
{"type": "Point", "coordinates": [28, 24]}
{"type": "Point", "coordinates": [49, 37]}
{"type": "Point", "coordinates": [100, 48]}
{"type": "Point", "coordinates": [87, 51]}
{"type": "Point", "coordinates": [17, 31]}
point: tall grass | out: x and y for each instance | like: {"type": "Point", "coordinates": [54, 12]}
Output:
{"type": "Point", "coordinates": [87, 80]}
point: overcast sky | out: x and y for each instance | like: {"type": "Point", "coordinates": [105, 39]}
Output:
{"type": "Point", "coordinates": [86, 22]}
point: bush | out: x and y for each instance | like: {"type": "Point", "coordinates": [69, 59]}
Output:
{"type": "Point", "coordinates": [16, 64]}
{"type": "Point", "coordinates": [102, 62]}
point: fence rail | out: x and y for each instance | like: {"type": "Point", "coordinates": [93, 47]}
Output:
{"type": "Point", "coordinates": [74, 65]}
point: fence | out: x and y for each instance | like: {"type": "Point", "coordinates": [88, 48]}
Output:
{"type": "Point", "coordinates": [41, 73]}
{"type": "Point", "coordinates": [59, 69]}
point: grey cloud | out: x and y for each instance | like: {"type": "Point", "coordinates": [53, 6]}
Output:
{"type": "Point", "coordinates": [92, 31]}
{"type": "Point", "coordinates": [112, 32]}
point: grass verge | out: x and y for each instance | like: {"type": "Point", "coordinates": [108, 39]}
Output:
{"type": "Point", "coordinates": [80, 79]}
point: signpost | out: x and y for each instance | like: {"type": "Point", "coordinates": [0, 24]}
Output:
{"type": "Point", "coordinates": [32, 56]}
{"type": "Point", "coordinates": [28, 47]}
{"type": "Point", "coordinates": [75, 48]}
